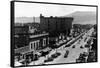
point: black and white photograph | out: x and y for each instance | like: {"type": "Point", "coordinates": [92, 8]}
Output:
{"type": "Point", "coordinates": [53, 33]}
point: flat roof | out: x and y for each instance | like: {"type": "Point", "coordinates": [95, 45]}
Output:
{"type": "Point", "coordinates": [38, 35]}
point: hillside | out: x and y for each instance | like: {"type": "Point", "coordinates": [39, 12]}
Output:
{"type": "Point", "coordinates": [83, 17]}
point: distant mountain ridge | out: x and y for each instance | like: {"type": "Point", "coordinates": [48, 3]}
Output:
{"type": "Point", "coordinates": [81, 17]}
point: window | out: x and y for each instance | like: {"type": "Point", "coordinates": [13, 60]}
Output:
{"type": "Point", "coordinates": [34, 45]}
{"type": "Point", "coordinates": [23, 56]}
{"type": "Point", "coordinates": [31, 46]}
{"type": "Point", "coordinates": [44, 42]}
{"type": "Point", "coordinates": [37, 44]}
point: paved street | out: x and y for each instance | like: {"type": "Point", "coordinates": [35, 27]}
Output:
{"type": "Point", "coordinates": [73, 52]}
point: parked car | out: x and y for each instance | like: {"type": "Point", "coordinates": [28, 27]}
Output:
{"type": "Point", "coordinates": [55, 55]}
{"type": "Point", "coordinates": [87, 46]}
{"type": "Point", "coordinates": [85, 54]}
{"type": "Point", "coordinates": [81, 55]}
{"type": "Point", "coordinates": [66, 54]}
{"type": "Point", "coordinates": [49, 59]}
{"type": "Point", "coordinates": [91, 57]}
{"type": "Point", "coordinates": [44, 53]}
{"type": "Point", "coordinates": [80, 60]}
{"type": "Point", "coordinates": [81, 47]}
{"type": "Point", "coordinates": [68, 45]}
{"type": "Point", "coordinates": [73, 46]}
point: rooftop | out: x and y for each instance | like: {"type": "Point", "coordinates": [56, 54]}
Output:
{"type": "Point", "coordinates": [38, 35]}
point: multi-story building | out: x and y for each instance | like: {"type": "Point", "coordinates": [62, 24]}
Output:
{"type": "Point", "coordinates": [20, 36]}
{"type": "Point", "coordinates": [56, 26]}
{"type": "Point", "coordinates": [28, 43]}
{"type": "Point", "coordinates": [29, 40]}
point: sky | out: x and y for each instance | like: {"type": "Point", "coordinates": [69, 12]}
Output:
{"type": "Point", "coordinates": [35, 9]}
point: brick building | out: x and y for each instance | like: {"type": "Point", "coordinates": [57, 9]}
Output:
{"type": "Point", "coordinates": [28, 43]}
{"type": "Point", "coordinates": [56, 26]}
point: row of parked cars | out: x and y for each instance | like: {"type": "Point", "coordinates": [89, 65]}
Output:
{"type": "Point", "coordinates": [53, 56]}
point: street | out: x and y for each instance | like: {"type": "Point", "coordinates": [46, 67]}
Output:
{"type": "Point", "coordinates": [73, 52]}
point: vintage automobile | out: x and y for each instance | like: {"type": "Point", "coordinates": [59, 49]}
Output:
{"type": "Point", "coordinates": [80, 60]}
{"type": "Point", "coordinates": [81, 47]}
{"type": "Point", "coordinates": [49, 59]}
{"type": "Point", "coordinates": [68, 45]}
{"type": "Point", "coordinates": [66, 54]}
{"type": "Point", "coordinates": [85, 54]}
{"type": "Point", "coordinates": [87, 46]}
{"type": "Point", "coordinates": [73, 46]}
{"type": "Point", "coordinates": [55, 55]}
{"type": "Point", "coordinates": [91, 57]}
{"type": "Point", "coordinates": [44, 53]}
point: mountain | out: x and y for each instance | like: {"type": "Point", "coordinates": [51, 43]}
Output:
{"type": "Point", "coordinates": [81, 17]}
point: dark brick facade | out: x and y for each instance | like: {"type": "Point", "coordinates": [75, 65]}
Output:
{"type": "Point", "coordinates": [56, 25]}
